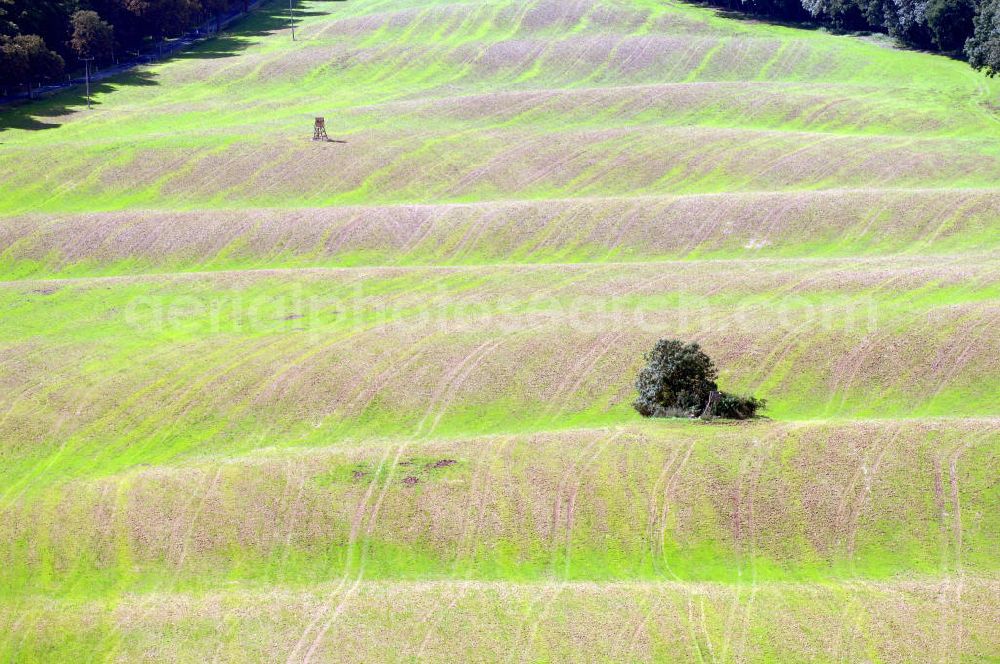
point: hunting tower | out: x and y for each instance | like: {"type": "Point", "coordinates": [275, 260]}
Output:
{"type": "Point", "coordinates": [319, 130]}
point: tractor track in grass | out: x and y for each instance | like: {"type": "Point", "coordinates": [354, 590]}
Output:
{"type": "Point", "coordinates": [745, 539]}
{"type": "Point", "coordinates": [976, 333]}
{"type": "Point", "coordinates": [372, 518]}
{"type": "Point", "coordinates": [661, 503]}
{"type": "Point", "coordinates": [447, 389]}
{"type": "Point", "coordinates": [581, 473]}
{"type": "Point", "coordinates": [953, 643]}
{"type": "Point", "coordinates": [958, 635]}
{"type": "Point", "coordinates": [293, 509]}
{"type": "Point", "coordinates": [362, 514]}
{"type": "Point", "coordinates": [49, 462]}
{"type": "Point", "coordinates": [435, 624]}
{"type": "Point", "coordinates": [368, 393]}
{"type": "Point", "coordinates": [583, 369]}
{"type": "Point", "coordinates": [642, 623]}
{"type": "Point", "coordinates": [473, 513]}
{"type": "Point", "coordinates": [856, 501]}
{"type": "Point", "coordinates": [566, 492]}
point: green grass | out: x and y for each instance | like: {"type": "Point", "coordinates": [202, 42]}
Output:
{"type": "Point", "coordinates": [774, 480]}
{"type": "Point", "coordinates": [193, 116]}
{"type": "Point", "coordinates": [225, 348]}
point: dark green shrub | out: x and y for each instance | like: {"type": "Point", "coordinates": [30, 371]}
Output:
{"type": "Point", "coordinates": [737, 407]}
{"type": "Point", "coordinates": [677, 381]}
{"type": "Point", "coordinates": [677, 377]}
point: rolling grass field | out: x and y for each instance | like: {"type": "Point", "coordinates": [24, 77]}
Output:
{"type": "Point", "coordinates": [265, 399]}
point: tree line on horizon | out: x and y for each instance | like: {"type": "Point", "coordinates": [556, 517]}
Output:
{"type": "Point", "coordinates": [40, 39]}
{"type": "Point", "coordinates": [968, 29]}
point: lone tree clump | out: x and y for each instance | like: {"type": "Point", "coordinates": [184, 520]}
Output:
{"type": "Point", "coordinates": [679, 381]}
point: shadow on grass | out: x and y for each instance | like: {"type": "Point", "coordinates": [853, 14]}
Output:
{"type": "Point", "coordinates": [264, 21]}
{"type": "Point", "coordinates": [43, 113]}
{"type": "Point", "coordinates": [40, 113]}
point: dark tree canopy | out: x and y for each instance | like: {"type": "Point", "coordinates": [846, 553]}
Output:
{"type": "Point", "coordinates": [92, 37]}
{"type": "Point", "coordinates": [164, 18]}
{"type": "Point", "coordinates": [48, 19]}
{"type": "Point", "coordinates": [76, 29]}
{"type": "Point", "coordinates": [679, 379]}
{"type": "Point", "coordinates": [983, 47]}
{"type": "Point", "coordinates": [25, 59]}
{"type": "Point", "coordinates": [215, 8]}
{"type": "Point", "coordinates": [950, 22]}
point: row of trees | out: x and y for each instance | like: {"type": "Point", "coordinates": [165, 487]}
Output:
{"type": "Point", "coordinates": [39, 37]}
{"type": "Point", "coordinates": [969, 28]}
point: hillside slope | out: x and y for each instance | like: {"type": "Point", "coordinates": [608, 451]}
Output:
{"type": "Point", "coordinates": [268, 399]}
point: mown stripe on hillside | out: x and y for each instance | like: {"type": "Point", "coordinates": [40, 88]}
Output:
{"type": "Point", "coordinates": [458, 164]}
{"type": "Point", "coordinates": [900, 621]}
{"type": "Point", "coordinates": [866, 222]}
{"type": "Point", "coordinates": [670, 501]}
